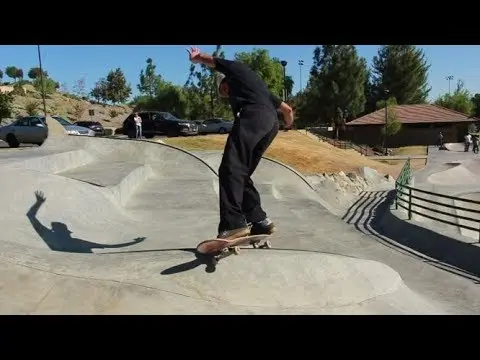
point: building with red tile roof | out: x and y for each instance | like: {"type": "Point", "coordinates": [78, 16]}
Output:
{"type": "Point", "coordinates": [421, 125]}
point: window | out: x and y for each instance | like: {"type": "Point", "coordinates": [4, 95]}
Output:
{"type": "Point", "coordinates": [62, 121]}
{"type": "Point", "coordinates": [23, 122]}
{"type": "Point", "coordinates": [167, 116]}
{"type": "Point", "coordinates": [35, 121]}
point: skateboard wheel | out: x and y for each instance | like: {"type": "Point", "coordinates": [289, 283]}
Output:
{"type": "Point", "coordinates": [236, 250]}
{"type": "Point", "coordinates": [268, 244]}
{"type": "Point", "coordinates": [255, 245]}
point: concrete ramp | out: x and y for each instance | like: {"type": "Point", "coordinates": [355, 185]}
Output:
{"type": "Point", "coordinates": [459, 173]}
{"type": "Point", "coordinates": [456, 147]}
{"type": "Point", "coordinates": [280, 282]}
{"type": "Point", "coordinates": [278, 180]}
{"type": "Point", "coordinates": [104, 226]}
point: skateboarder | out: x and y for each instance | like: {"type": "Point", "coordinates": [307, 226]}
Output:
{"type": "Point", "coordinates": [256, 125]}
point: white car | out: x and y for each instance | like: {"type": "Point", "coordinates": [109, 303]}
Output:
{"type": "Point", "coordinates": [215, 126]}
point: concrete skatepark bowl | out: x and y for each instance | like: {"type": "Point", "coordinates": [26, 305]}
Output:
{"type": "Point", "coordinates": [108, 226]}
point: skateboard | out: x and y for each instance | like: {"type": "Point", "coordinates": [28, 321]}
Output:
{"type": "Point", "coordinates": [220, 248]}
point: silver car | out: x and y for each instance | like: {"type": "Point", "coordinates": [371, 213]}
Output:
{"type": "Point", "coordinates": [72, 129]}
{"type": "Point", "coordinates": [28, 130]}
{"type": "Point", "coordinates": [215, 126]}
{"type": "Point", "coordinates": [33, 130]}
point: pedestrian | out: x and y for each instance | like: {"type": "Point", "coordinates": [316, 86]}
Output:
{"type": "Point", "coordinates": [138, 126]}
{"type": "Point", "coordinates": [468, 142]}
{"type": "Point", "coordinates": [475, 144]}
{"type": "Point", "coordinates": [255, 126]}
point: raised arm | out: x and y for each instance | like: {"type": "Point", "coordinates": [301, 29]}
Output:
{"type": "Point", "coordinates": [227, 67]}
{"type": "Point", "coordinates": [198, 57]}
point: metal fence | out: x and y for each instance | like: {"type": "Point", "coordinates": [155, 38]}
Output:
{"type": "Point", "coordinates": [406, 195]}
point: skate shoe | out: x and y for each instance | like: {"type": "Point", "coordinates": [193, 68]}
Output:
{"type": "Point", "coordinates": [264, 227]}
{"type": "Point", "coordinates": [234, 234]}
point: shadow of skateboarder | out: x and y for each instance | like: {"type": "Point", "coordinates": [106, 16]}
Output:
{"type": "Point", "coordinates": [59, 238]}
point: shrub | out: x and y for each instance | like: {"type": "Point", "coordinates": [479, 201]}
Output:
{"type": "Point", "coordinates": [113, 113]}
{"type": "Point", "coordinates": [32, 107]}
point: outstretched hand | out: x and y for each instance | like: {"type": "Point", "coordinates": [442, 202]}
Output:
{"type": "Point", "coordinates": [194, 53]}
{"type": "Point", "coordinates": [40, 197]}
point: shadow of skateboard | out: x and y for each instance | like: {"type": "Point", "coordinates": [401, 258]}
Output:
{"type": "Point", "coordinates": [217, 249]}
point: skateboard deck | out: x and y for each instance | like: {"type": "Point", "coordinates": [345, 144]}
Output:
{"type": "Point", "coordinates": [219, 248]}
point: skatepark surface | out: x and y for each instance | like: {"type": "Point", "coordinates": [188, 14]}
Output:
{"type": "Point", "coordinates": [109, 226]}
{"type": "Point", "coordinates": [456, 173]}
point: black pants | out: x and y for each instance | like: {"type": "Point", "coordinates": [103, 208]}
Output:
{"type": "Point", "coordinates": [252, 133]}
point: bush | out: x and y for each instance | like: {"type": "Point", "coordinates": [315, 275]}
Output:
{"type": "Point", "coordinates": [32, 107]}
{"type": "Point", "coordinates": [18, 90]}
{"type": "Point", "coordinates": [78, 110]}
{"type": "Point", "coordinates": [6, 105]}
{"type": "Point", "coordinates": [113, 113]}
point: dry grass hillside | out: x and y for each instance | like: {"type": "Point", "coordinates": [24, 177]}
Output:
{"type": "Point", "coordinates": [70, 107]}
{"type": "Point", "coordinates": [307, 155]}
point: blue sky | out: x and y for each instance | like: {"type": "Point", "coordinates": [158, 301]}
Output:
{"type": "Point", "coordinates": [67, 64]}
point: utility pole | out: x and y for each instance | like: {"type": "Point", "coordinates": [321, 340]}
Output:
{"type": "Point", "coordinates": [42, 82]}
{"type": "Point", "coordinates": [449, 78]}
{"type": "Point", "coordinates": [300, 64]}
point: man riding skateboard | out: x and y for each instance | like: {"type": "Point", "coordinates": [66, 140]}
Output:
{"type": "Point", "coordinates": [256, 125]}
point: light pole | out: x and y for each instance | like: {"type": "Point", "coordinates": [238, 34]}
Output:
{"type": "Point", "coordinates": [42, 82]}
{"type": "Point", "coordinates": [449, 78]}
{"type": "Point", "coordinates": [386, 120]}
{"type": "Point", "coordinates": [284, 64]}
{"type": "Point", "coordinates": [300, 64]}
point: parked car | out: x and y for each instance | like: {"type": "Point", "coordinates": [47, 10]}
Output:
{"type": "Point", "coordinates": [34, 130]}
{"type": "Point", "coordinates": [72, 129]}
{"type": "Point", "coordinates": [92, 125]}
{"type": "Point", "coordinates": [26, 130]}
{"type": "Point", "coordinates": [215, 126]}
{"type": "Point", "coordinates": [159, 123]}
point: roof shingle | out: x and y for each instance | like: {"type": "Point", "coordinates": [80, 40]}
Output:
{"type": "Point", "coordinates": [414, 114]}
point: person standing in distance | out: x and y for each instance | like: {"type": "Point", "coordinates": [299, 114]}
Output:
{"type": "Point", "coordinates": [255, 127]}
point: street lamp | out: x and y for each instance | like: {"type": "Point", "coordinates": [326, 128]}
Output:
{"type": "Point", "coordinates": [284, 64]}
{"type": "Point", "coordinates": [300, 64]}
{"type": "Point", "coordinates": [449, 78]}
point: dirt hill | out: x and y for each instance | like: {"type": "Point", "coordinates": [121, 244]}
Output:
{"type": "Point", "coordinates": [307, 155]}
{"type": "Point", "coordinates": [70, 107]}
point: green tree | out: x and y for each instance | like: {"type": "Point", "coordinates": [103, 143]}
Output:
{"type": "Point", "coordinates": [170, 98]}
{"type": "Point", "coordinates": [12, 72]}
{"type": "Point", "coordinates": [392, 125]}
{"type": "Point", "coordinates": [34, 73]}
{"type": "Point", "coordinates": [476, 102]}
{"type": "Point", "coordinates": [370, 96]}
{"type": "Point", "coordinates": [99, 91]}
{"type": "Point", "coordinates": [19, 74]}
{"type": "Point", "coordinates": [50, 85]}
{"type": "Point", "coordinates": [117, 88]}
{"type": "Point", "coordinates": [403, 71]}
{"type": "Point", "coordinates": [6, 105]}
{"type": "Point", "coordinates": [336, 89]}
{"type": "Point", "coordinates": [289, 82]}
{"type": "Point", "coordinates": [460, 100]}
{"type": "Point", "coordinates": [201, 92]}
{"type": "Point", "coordinates": [149, 81]}
{"type": "Point", "coordinates": [269, 69]}
{"type": "Point", "coordinates": [1, 76]}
